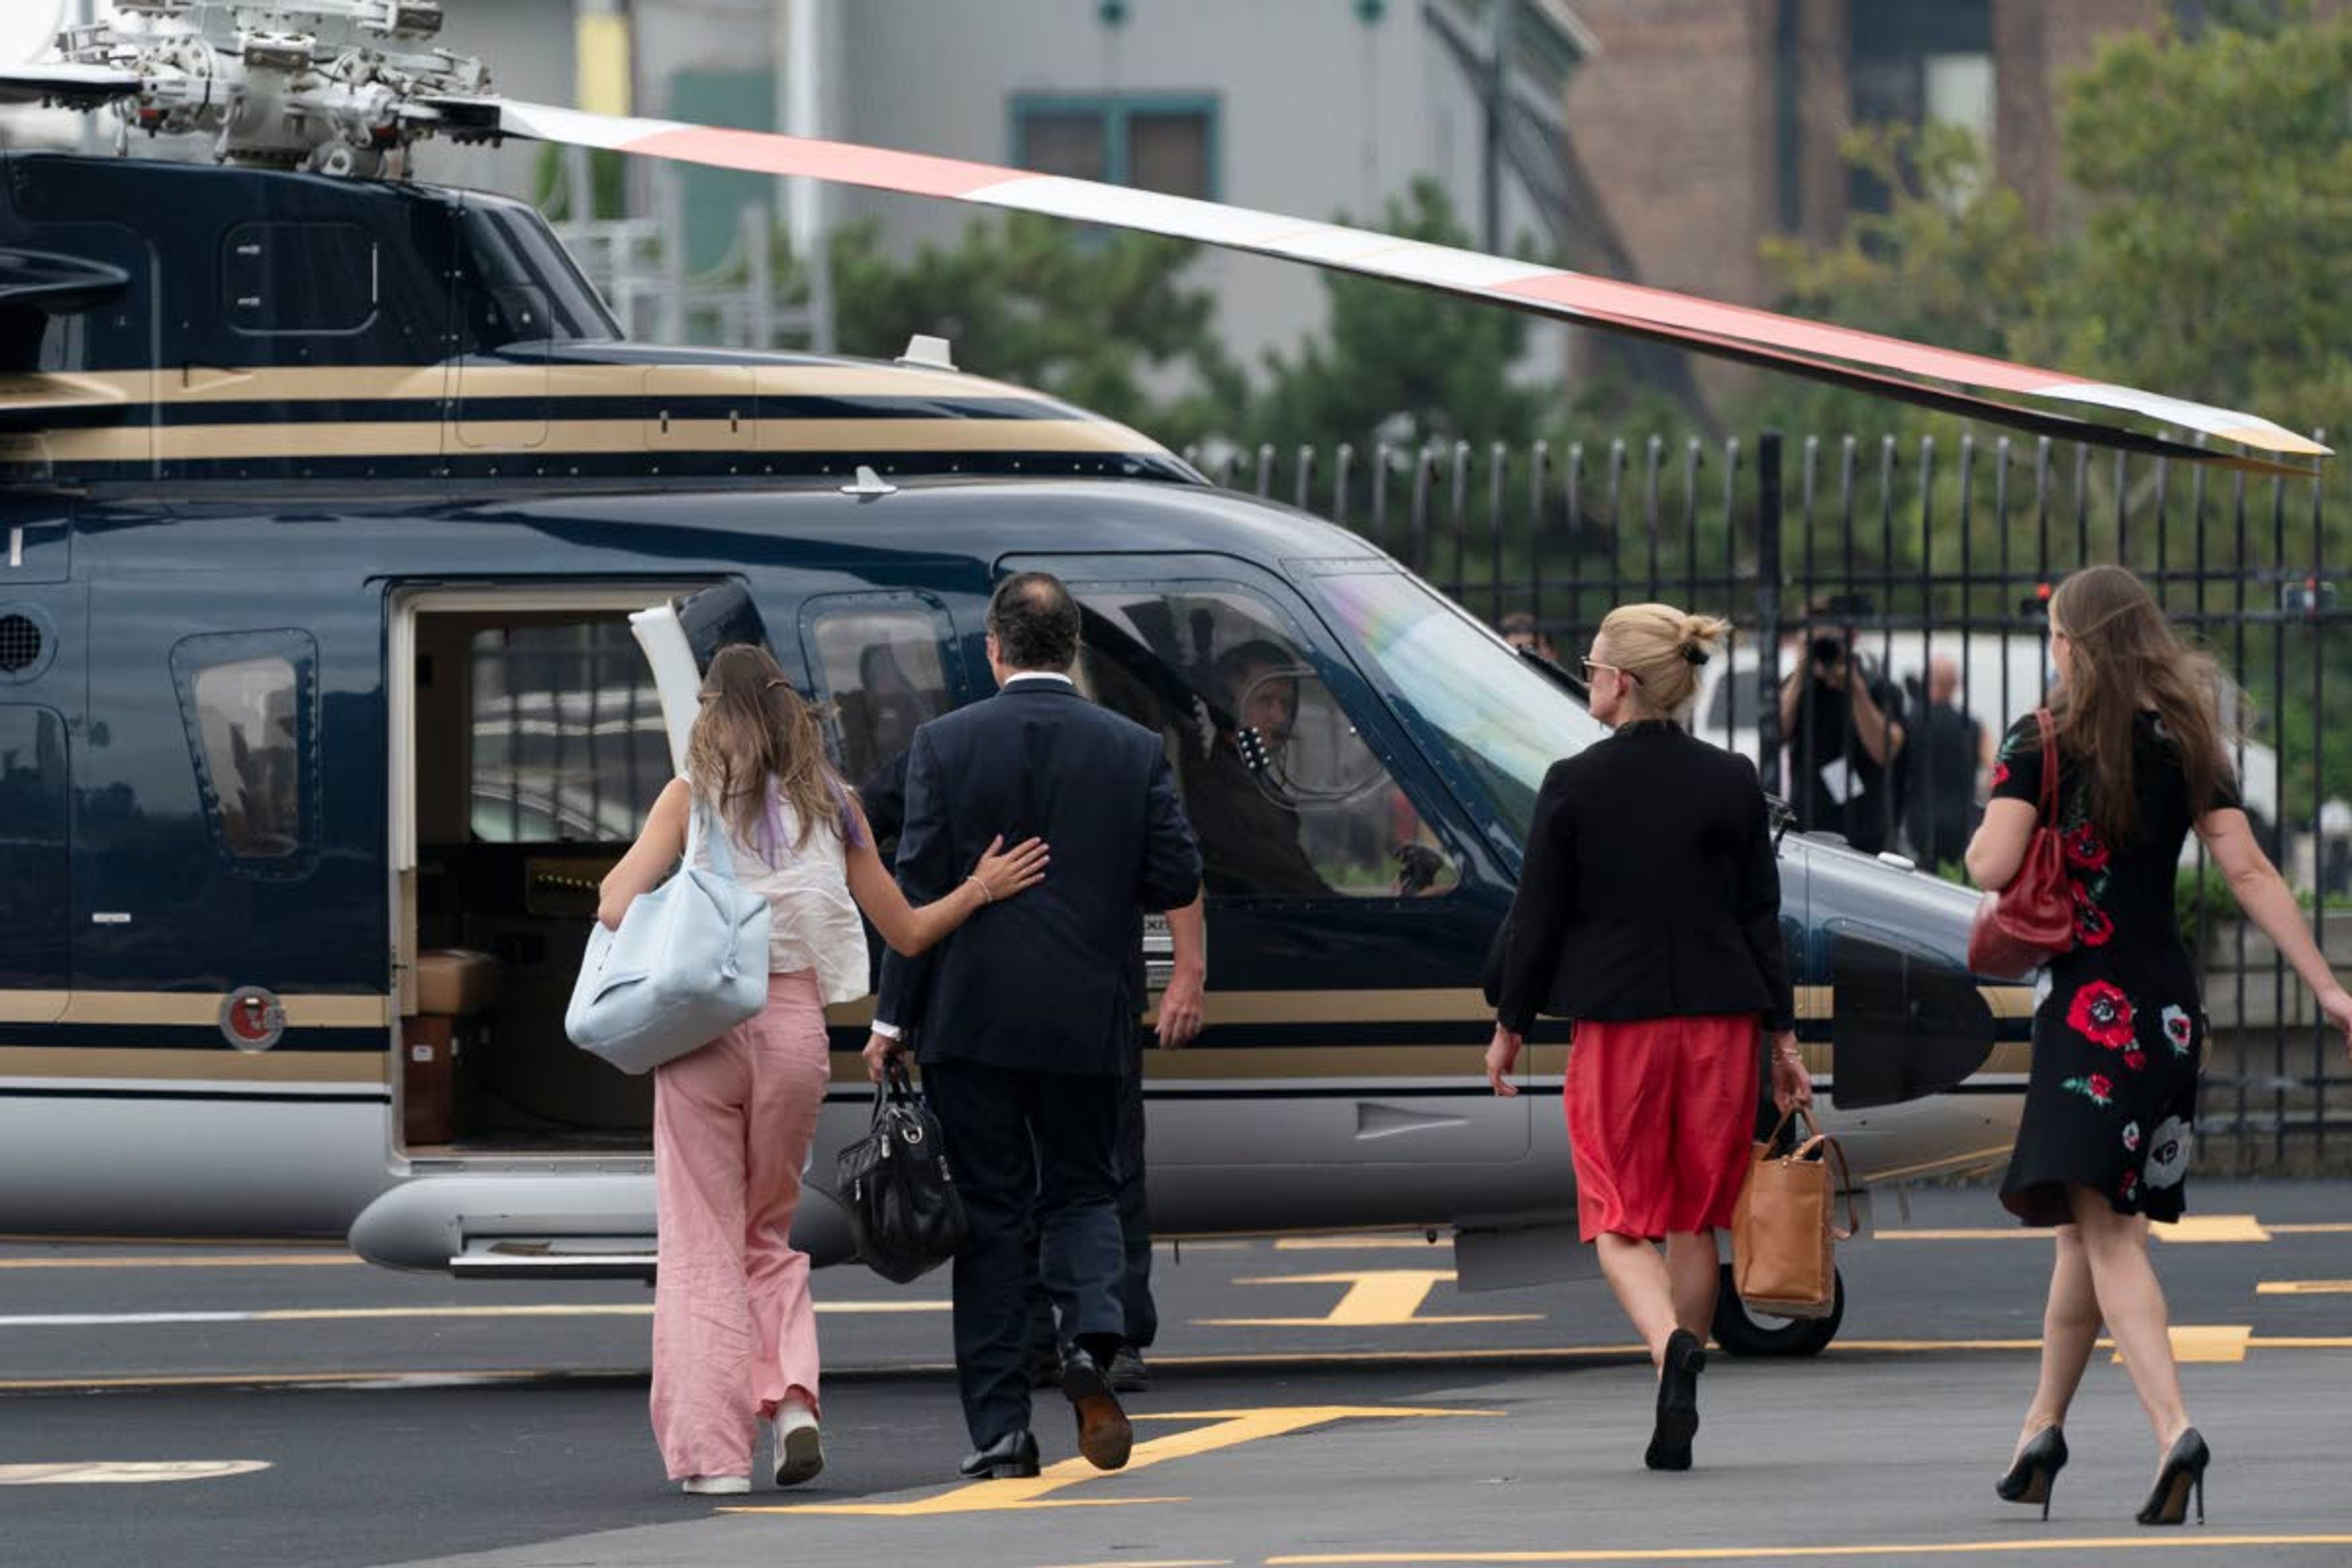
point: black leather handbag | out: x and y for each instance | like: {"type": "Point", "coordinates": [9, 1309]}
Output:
{"type": "Point", "coordinates": [895, 1186]}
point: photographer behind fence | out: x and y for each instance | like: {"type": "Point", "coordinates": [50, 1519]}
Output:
{"type": "Point", "coordinates": [1843, 721]}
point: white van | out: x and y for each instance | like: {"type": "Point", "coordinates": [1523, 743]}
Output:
{"type": "Point", "coordinates": [2003, 677]}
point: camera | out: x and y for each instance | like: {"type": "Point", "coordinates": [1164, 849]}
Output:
{"type": "Point", "coordinates": [1829, 648]}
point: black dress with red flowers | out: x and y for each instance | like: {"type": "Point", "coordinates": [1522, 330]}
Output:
{"type": "Point", "coordinates": [2119, 1033]}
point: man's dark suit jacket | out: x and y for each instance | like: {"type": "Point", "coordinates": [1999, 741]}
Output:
{"type": "Point", "coordinates": [1650, 889]}
{"type": "Point", "coordinates": [1047, 981]}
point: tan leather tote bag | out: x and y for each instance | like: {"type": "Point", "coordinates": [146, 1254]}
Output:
{"type": "Point", "coordinates": [1784, 1234]}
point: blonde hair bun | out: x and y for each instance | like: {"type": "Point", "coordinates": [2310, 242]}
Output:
{"type": "Point", "coordinates": [1663, 647]}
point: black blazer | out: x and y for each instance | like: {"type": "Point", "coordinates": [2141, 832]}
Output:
{"type": "Point", "coordinates": [1049, 980]}
{"type": "Point", "coordinates": [1649, 891]}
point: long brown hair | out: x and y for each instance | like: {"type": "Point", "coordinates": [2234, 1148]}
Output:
{"type": "Point", "coordinates": [2123, 656]}
{"type": "Point", "coordinates": [754, 728]}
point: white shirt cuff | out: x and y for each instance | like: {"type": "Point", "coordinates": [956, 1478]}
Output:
{"type": "Point", "coordinates": [888, 1031]}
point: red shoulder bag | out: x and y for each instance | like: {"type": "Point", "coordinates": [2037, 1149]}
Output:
{"type": "Point", "coordinates": [2026, 924]}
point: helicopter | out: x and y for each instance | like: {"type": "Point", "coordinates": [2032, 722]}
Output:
{"type": "Point", "coordinates": [356, 576]}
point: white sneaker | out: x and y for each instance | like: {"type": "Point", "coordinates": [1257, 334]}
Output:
{"type": "Point", "coordinates": [800, 1448]}
{"type": "Point", "coordinates": [715, 1486]}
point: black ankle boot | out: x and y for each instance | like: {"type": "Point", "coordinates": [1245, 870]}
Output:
{"type": "Point", "coordinates": [2032, 1476]}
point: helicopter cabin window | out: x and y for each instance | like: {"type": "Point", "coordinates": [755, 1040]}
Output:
{"type": "Point", "coordinates": [882, 676]}
{"type": "Point", "coordinates": [566, 742]}
{"type": "Point", "coordinates": [1287, 798]}
{"type": "Point", "coordinates": [249, 700]}
{"type": "Point", "coordinates": [299, 277]}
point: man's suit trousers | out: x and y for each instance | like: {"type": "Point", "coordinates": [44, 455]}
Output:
{"type": "Point", "coordinates": [1015, 1140]}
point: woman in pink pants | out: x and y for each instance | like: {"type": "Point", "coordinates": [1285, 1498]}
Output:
{"type": "Point", "coordinates": [734, 1330]}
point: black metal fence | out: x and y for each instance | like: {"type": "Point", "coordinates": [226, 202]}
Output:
{"type": "Point", "coordinates": [1915, 554]}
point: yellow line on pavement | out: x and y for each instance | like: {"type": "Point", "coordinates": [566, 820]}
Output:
{"type": "Point", "coordinates": [1376, 1298]}
{"type": "Point", "coordinates": [2196, 1228]}
{"type": "Point", "coordinates": [2198, 1541]}
{"type": "Point", "coordinates": [221, 1260]}
{"type": "Point", "coordinates": [1223, 1430]}
{"type": "Point", "coordinates": [2304, 1288]}
{"type": "Point", "coordinates": [1354, 1242]}
{"type": "Point", "coordinates": [2333, 1227]}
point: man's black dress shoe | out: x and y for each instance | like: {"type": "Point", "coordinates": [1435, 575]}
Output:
{"type": "Point", "coordinates": [1104, 1436]}
{"type": "Point", "coordinates": [1012, 1457]}
{"type": "Point", "coordinates": [1127, 1372]}
{"type": "Point", "coordinates": [1677, 1422]}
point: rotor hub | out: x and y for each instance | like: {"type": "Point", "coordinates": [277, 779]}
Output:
{"type": "Point", "coordinates": [338, 87]}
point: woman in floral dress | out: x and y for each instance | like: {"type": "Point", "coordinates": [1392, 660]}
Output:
{"type": "Point", "coordinates": [2119, 1034]}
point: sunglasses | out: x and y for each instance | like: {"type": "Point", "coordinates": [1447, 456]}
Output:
{"type": "Point", "coordinates": [1590, 665]}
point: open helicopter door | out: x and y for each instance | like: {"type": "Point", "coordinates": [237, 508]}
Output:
{"type": "Point", "coordinates": [680, 637]}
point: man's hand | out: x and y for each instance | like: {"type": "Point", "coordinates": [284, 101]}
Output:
{"type": "Point", "coordinates": [879, 1051]}
{"type": "Point", "coordinates": [1502, 1055]}
{"type": "Point", "coordinates": [1180, 1008]}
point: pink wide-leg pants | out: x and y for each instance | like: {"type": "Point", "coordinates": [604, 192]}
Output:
{"type": "Point", "coordinates": [734, 1329]}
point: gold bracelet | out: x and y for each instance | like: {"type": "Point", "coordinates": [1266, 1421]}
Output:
{"type": "Point", "coordinates": [987, 894]}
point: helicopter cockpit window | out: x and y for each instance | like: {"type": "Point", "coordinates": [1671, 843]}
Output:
{"type": "Point", "coordinates": [298, 276]}
{"type": "Point", "coordinates": [248, 699]}
{"type": "Point", "coordinates": [522, 287]}
{"type": "Point", "coordinates": [1287, 798]}
{"type": "Point", "coordinates": [881, 676]}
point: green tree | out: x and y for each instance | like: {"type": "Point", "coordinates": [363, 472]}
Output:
{"type": "Point", "coordinates": [1401, 362]}
{"type": "Point", "coordinates": [2219, 178]}
{"type": "Point", "coordinates": [1106, 320]}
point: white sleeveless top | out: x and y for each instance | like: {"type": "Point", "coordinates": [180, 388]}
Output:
{"type": "Point", "coordinates": [814, 922]}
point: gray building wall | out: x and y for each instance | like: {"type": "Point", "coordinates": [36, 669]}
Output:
{"type": "Point", "coordinates": [1318, 112]}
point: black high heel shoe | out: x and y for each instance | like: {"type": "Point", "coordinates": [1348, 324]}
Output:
{"type": "Point", "coordinates": [2032, 1476]}
{"type": "Point", "coordinates": [2183, 1472]}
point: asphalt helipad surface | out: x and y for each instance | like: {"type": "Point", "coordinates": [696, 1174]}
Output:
{"type": "Point", "coordinates": [1316, 1399]}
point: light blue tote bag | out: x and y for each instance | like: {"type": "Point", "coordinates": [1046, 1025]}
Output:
{"type": "Point", "coordinates": [688, 963]}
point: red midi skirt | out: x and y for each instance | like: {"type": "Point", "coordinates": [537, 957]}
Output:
{"type": "Point", "coordinates": [1661, 1117]}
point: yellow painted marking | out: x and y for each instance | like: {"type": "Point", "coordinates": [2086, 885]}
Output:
{"type": "Point", "coordinates": [1156, 1563]}
{"type": "Point", "coordinates": [1351, 1243]}
{"type": "Point", "coordinates": [2197, 1540]}
{"type": "Point", "coordinates": [134, 1472]}
{"type": "Point", "coordinates": [2331, 1229]}
{"type": "Point", "coordinates": [1376, 1298]}
{"type": "Point", "coordinates": [1987, 1155]}
{"type": "Point", "coordinates": [1225, 1429]}
{"type": "Point", "coordinates": [2212, 1228]}
{"type": "Point", "coordinates": [2217, 1343]}
{"type": "Point", "coordinates": [2304, 1288]}
{"type": "Point", "coordinates": [369, 1314]}
{"type": "Point", "coordinates": [220, 1260]}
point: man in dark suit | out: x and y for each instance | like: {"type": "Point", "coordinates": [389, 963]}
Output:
{"type": "Point", "coordinates": [1027, 1012]}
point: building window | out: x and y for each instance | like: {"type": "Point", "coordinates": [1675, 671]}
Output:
{"type": "Point", "coordinates": [1165, 143]}
{"type": "Point", "coordinates": [249, 700]}
{"type": "Point", "coordinates": [1920, 62]}
{"type": "Point", "coordinates": [567, 742]}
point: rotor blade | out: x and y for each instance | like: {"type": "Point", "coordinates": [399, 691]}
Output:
{"type": "Point", "coordinates": [1733, 331]}
{"type": "Point", "coordinates": [78, 86]}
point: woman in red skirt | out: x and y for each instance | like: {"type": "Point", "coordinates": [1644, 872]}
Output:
{"type": "Point", "coordinates": [1649, 913]}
